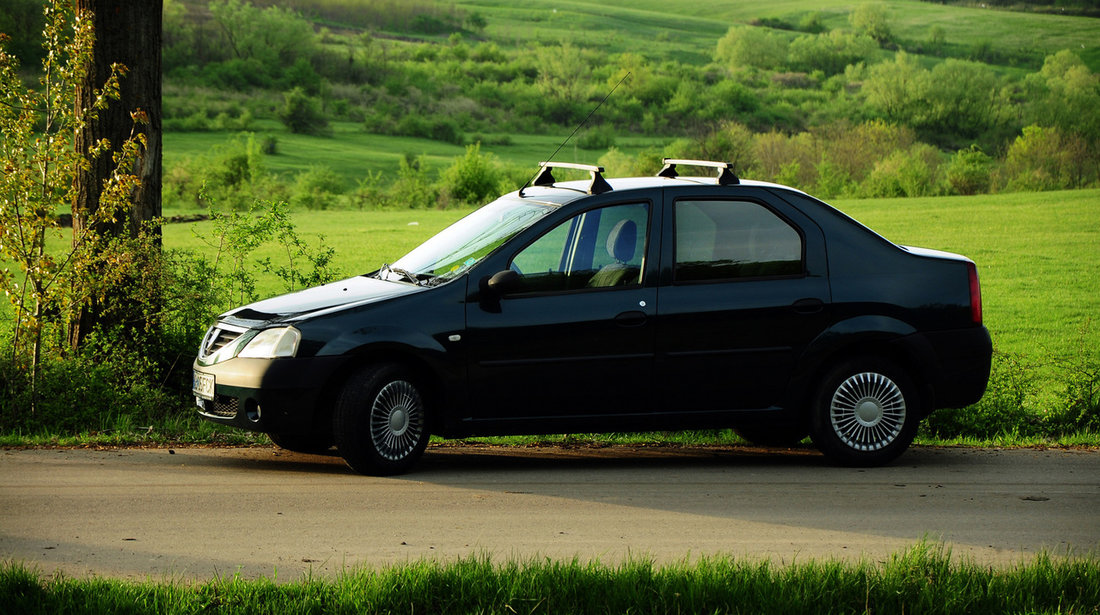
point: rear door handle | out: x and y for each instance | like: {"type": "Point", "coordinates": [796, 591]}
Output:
{"type": "Point", "coordinates": [633, 318]}
{"type": "Point", "coordinates": [810, 305]}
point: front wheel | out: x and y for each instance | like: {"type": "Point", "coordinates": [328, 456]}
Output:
{"type": "Point", "coordinates": [865, 413]}
{"type": "Point", "coordinates": [381, 420]}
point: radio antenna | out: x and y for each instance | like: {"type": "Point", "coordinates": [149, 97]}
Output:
{"type": "Point", "coordinates": [579, 126]}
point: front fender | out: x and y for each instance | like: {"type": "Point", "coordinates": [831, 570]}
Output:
{"type": "Point", "coordinates": [379, 336]}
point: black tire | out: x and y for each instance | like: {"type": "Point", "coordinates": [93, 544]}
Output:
{"type": "Point", "coordinates": [314, 444]}
{"type": "Point", "coordinates": [782, 435]}
{"type": "Point", "coordinates": [381, 420]}
{"type": "Point", "coordinates": [865, 413]}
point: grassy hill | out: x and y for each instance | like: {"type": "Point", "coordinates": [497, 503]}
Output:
{"type": "Point", "coordinates": [395, 81]}
{"type": "Point", "coordinates": [688, 31]}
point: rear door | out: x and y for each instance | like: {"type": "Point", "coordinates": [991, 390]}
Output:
{"type": "Point", "coordinates": [743, 291]}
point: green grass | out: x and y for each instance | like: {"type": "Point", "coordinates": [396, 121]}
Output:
{"type": "Point", "coordinates": [922, 579]}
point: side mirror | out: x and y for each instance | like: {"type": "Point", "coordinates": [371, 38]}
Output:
{"type": "Point", "coordinates": [495, 287]}
{"type": "Point", "coordinates": [503, 282]}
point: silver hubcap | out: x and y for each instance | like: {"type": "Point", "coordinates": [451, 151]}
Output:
{"type": "Point", "coordinates": [396, 420]}
{"type": "Point", "coordinates": [867, 411]}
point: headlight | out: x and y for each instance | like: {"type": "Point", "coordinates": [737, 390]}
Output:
{"type": "Point", "coordinates": [271, 343]}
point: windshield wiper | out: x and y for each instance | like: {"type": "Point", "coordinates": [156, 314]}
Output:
{"type": "Point", "coordinates": [399, 271]}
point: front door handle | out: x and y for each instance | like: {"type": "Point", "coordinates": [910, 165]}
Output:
{"type": "Point", "coordinates": [633, 318]}
{"type": "Point", "coordinates": [810, 305]}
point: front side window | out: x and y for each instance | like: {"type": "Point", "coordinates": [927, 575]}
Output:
{"type": "Point", "coordinates": [724, 240]}
{"type": "Point", "coordinates": [599, 248]}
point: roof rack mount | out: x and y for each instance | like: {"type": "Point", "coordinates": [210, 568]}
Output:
{"type": "Point", "coordinates": [598, 185]}
{"type": "Point", "coordinates": [725, 172]}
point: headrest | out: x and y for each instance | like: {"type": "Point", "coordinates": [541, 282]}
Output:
{"type": "Point", "coordinates": [621, 240]}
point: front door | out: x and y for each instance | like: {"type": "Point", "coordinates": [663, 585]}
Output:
{"type": "Point", "coordinates": [573, 337]}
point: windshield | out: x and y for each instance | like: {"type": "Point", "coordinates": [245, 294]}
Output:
{"type": "Point", "coordinates": [461, 245]}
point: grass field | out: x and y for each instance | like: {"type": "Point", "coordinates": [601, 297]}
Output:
{"type": "Point", "coordinates": [923, 579]}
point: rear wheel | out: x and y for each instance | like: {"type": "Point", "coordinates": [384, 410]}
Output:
{"type": "Point", "coordinates": [381, 420]}
{"type": "Point", "coordinates": [865, 413]}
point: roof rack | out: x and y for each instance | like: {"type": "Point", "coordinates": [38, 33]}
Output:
{"type": "Point", "coordinates": [598, 184]}
{"type": "Point", "coordinates": [725, 175]}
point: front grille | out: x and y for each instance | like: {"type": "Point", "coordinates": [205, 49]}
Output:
{"type": "Point", "coordinates": [218, 337]}
{"type": "Point", "coordinates": [222, 406]}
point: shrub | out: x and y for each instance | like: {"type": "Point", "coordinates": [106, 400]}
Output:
{"type": "Point", "coordinates": [302, 114]}
{"type": "Point", "coordinates": [970, 171]}
{"type": "Point", "coordinates": [232, 174]}
{"type": "Point", "coordinates": [473, 178]}
{"type": "Point", "coordinates": [750, 47]}
{"type": "Point", "coordinates": [600, 137]}
{"type": "Point", "coordinates": [832, 180]}
{"type": "Point", "coordinates": [413, 189]}
{"type": "Point", "coordinates": [432, 127]}
{"type": "Point", "coordinates": [871, 20]}
{"type": "Point", "coordinates": [906, 173]}
{"type": "Point", "coordinates": [1045, 159]}
{"type": "Point", "coordinates": [830, 52]}
{"type": "Point", "coordinates": [316, 188]}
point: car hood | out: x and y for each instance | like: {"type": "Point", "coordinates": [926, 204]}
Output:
{"type": "Point", "coordinates": [352, 291]}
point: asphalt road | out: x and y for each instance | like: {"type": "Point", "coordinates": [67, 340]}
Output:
{"type": "Point", "coordinates": [195, 513]}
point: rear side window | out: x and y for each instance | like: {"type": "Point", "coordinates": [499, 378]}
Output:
{"type": "Point", "coordinates": [727, 240]}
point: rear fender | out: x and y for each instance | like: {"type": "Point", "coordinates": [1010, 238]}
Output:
{"type": "Point", "coordinates": [864, 335]}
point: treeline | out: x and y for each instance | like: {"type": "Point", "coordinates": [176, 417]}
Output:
{"type": "Point", "coordinates": [938, 124]}
{"type": "Point", "coordinates": [1086, 8]}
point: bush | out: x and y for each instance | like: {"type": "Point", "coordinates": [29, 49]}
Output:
{"type": "Point", "coordinates": [600, 137]}
{"type": "Point", "coordinates": [747, 47]}
{"type": "Point", "coordinates": [413, 189]}
{"type": "Point", "coordinates": [905, 173]}
{"type": "Point", "coordinates": [232, 174]}
{"type": "Point", "coordinates": [970, 171]}
{"type": "Point", "coordinates": [473, 178]}
{"type": "Point", "coordinates": [432, 127]}
{"type": "Point", "coordinates": [87, 392]}
{"type": "Point", "coordinates": [302, 114]}
{"type": "Point", "coordinates": [832, 180]}
{"type": "Point", "coordinates": [1046, 159]}
{"type": "Point", "coordinates": [871, 20]}
{"type": "Point", "coordinates": [830, 52]}
{"type": "Point", "coordinates": [316, 188]}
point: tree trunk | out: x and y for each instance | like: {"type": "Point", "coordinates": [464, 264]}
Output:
{"type": "Point", "coordinates": [127, 32]}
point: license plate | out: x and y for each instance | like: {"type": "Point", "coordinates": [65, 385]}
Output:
{"type": "Point", "coordinates": [202, 385]}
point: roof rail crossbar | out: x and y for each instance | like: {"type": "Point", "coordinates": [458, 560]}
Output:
{"type": "Point", "coordinates": [725, 175]}
{"type": "Point", "coordinates": [598, 184]}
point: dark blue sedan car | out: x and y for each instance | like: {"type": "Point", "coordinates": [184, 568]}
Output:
{"type": "Point", "coordinates": [646, 303]}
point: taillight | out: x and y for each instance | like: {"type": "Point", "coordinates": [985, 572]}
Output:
{"type": "Point", "coordinates": [975, 294]}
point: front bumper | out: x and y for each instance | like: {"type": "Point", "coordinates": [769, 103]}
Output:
{"type": "Point", "coordinates": [286, 395]}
